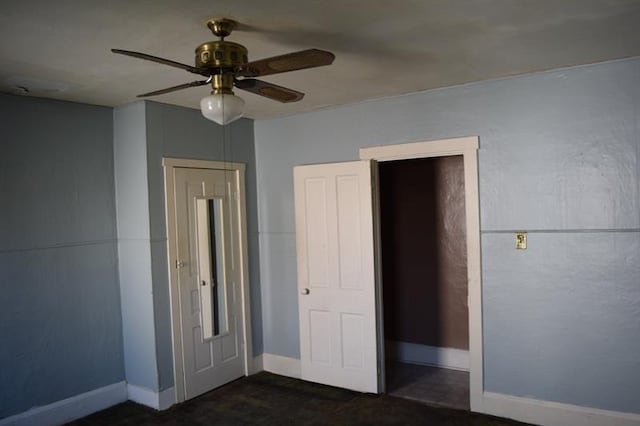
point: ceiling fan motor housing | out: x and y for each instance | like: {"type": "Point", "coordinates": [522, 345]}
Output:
{"type": "Point", "coordinates": [221, 54]}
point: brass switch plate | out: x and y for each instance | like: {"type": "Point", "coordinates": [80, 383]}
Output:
{"type": "Point", "coordinates": [521, 240]}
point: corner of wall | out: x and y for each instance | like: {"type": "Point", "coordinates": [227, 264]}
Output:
{"type": "Point", "coordinates": [134, 250]}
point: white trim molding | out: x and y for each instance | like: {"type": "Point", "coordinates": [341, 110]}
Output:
{"type": "Point", "coordinates": [70, 409]}
{"type": "Point", "coordinates": [550, 413]}
{"type": "Point", "coordinates": [169, 165]}
{"type": "Point", "coordinates": [158, 400]}
{"type": "Point", "coordinates": [282, 365]}
{"type": "Point", "coordinates": [166, 398]}
{"type": "Point", "coordinates": [413, 353]}
{"type": "Point", "coordinates": [405, 151]}
{"type": "Point", "coordinates": [468, 148]}
{"type": "Point", "coordinates": [170, 162]}
{"type": "Point", "coordinates": [258, 364]}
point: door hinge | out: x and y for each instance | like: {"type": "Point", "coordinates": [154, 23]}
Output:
{"type": "Point", "coordinates": [179, 264]}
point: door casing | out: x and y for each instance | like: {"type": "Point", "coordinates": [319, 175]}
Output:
{"type": "Point", "coordinates": [169, 164]}
{"type": "Point", "coordinates": [467, 147]}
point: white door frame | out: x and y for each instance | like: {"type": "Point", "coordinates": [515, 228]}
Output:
{"type": "Point", "coordinates": [468, 148]}
{"type": "Point", "coordinates": [238, 169]}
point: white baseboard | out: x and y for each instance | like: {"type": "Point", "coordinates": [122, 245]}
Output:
{"type": "Point", "coordinates": [414, 353]}
{"type": "Point", "coordinates": [158, 400]}
{"type": "Point", "coordinates": [166, 398]}
{"type": "Point", "coordinates": [70, 409]}
{"type": "Point", "coordinates": [548, 413]}
{"type": "Point", "coordinates": [282, 365]}
{"type": "Point", "coordinates": [258, 364]}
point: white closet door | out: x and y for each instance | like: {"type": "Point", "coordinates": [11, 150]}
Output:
{"type": "Point", "coordinates": [336, 274]}
{"type": "Point", "coordinates": [210, 302]}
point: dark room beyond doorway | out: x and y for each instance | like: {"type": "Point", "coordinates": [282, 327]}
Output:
{"type": "Point", "coordinates": [424, 270]}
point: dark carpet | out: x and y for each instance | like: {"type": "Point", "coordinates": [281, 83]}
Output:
{"type": "Point", "coordinates": [268, 399]}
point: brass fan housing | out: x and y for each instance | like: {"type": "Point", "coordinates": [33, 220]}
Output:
{"type": "Point", "coordinates": [222, 84]}
{"type": "Point", "coordinates": [221, 27]}
{"type": "Point", "coordinates": [221, 53]}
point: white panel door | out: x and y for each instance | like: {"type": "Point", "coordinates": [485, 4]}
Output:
{"type": "Point", "coordinates": [210, 303]}
{"type": "Point", "coordinates": [336, 274]}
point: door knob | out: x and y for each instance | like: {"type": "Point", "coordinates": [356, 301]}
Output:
{"type": "Point", "coordinates": [304, 291]}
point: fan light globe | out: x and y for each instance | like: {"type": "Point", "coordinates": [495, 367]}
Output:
{"type": "Point", "coordinates": [222, 108]}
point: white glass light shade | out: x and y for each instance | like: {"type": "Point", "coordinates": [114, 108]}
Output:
{"type": "Point", "coordinates": [222, 108]}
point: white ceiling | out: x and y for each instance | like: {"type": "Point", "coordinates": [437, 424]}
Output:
{"type": "Point", "coordinates": [60, 49]}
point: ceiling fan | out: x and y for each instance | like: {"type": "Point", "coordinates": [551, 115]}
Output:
{"type": "Point", "coordinates": [226, 65]}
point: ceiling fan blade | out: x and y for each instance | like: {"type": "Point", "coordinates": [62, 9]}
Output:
{"type": "Point", "coordinates": [269, 90]}
{"type": "Point", "coordinates": [290, 62]}
{"type": "Point", "coordinates": [169, 62]}
{"type": "Point", "coordinates": [174, 88]}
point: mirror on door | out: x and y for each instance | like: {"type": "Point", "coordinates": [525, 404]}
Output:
{"type": "Point", "coordinates": [211, 271]}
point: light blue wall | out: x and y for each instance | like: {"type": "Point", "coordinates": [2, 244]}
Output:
{"type": "Point", "coordinates": [145, 133]}
{"type": "Point", "coordinates": [60, 328]}
{"type": "Point", "coordinates": [134, 245]}
{"type": "Point", "coordinates": [183, 133]}
{"type": "Point", "coordinates": [560, 157]}
{"type": "Point", "coordinates": [66, 325]}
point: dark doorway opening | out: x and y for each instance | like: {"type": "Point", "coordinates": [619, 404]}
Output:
{"type": "Point", "coordinates": [424, 275]}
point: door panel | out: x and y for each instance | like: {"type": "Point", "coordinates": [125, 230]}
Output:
{"type": "Point", "coordinates": [320, 337]}
{"type": "Point", "coordinates": [316, 227]}
{"type": "Point", "coordinates": [209, 292]}
{"type": "Point", "coordinates": [352, 333]}
{"type": "Point", "coordinates": [336, 275]}
{"type": "Point", "coordinates": [349, 241]}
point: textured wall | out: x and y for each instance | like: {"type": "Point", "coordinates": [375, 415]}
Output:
{"type": "Point", "coordinates": [424, 252]}
{"type": "Point", "coordinates": [559, 157]}
{"type": "Point", "coordinates": [60, 327]}
{"type": "Point", "coordinates": [183, 133]}
{"type": "Point", "coordinates": [145, 132]}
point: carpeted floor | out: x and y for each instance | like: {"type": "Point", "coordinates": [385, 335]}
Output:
{"type": "Point", "coordinates": [268, 399]}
